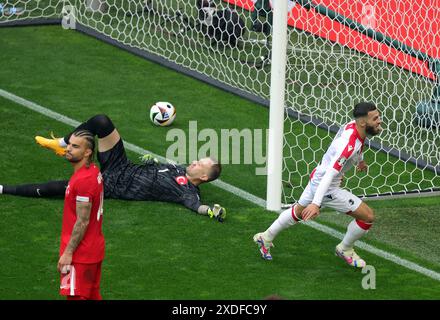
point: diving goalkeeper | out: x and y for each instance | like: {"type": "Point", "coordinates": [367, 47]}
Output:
{"type": "Point", "coordinates": [126, 180]}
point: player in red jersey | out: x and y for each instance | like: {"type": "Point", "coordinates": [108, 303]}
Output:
{"type": "Point", "coordinates": [323, 189]}
{"type": "Point", "coordinates": [82, 240]}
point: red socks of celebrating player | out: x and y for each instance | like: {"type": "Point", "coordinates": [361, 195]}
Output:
{"type": "Point", "coordinates": [355, 230]}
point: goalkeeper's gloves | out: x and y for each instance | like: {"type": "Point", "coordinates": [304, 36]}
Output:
{"type": "Point", "coordinates": [217, 212]}
{"type": "Point", "coordinates": [148, 159]}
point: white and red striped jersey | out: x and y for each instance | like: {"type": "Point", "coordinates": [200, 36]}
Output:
{"type": "Point", "coordinates": [344, 152]}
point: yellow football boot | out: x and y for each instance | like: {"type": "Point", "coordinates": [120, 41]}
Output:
{"type": "Point", "coordinates": [52, 144]}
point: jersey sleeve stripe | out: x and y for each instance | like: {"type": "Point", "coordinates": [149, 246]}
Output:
{"type": "Point", "coordinates": [346, 153]}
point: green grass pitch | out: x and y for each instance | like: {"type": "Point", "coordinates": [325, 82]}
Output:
{"type": "Point", "coordinates": [159, 250]}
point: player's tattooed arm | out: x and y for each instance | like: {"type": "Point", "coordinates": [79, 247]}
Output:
{"type": "Point", "coordinates": [83, 210]}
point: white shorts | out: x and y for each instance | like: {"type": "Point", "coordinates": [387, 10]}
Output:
{"type": "Point", "coordinates": [339, 199]}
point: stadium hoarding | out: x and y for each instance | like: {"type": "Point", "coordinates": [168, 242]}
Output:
{"type": "Point", "coordinates": [414, 23]}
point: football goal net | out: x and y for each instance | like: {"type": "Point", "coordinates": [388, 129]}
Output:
{"type": "Point", "coordinates": [337, 53]}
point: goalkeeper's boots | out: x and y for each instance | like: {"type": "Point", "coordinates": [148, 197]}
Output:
{"type": "Point", "coordinates": [263, 245]}
{"type": "Point", "coordinates": [217, 212]}
{"type": "Point", "coordinates": [350, 256]}
{"type": "Point", "coordinates": [52, 144]}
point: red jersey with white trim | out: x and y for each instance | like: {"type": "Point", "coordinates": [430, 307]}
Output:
{"type": "Point", "coordinates": [86, 185]}
{"type": "Point", "coordinates": [344, 152]}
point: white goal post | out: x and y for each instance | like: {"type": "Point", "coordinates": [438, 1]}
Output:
{"type": "Point", "coordinates": [277, 103]}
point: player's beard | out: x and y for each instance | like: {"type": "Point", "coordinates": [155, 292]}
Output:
{"type": "Point", "coordinates": [372, 131]}
{"type": "Point", "coordinates": [72, 159]}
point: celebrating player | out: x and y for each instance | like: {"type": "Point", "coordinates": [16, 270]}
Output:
{"type": "Point", "coordinates": [82, 241]}
{"type": "Point", "coordinates": [125, 180]}
{"type": "Point", "coordinates": [323, 189]}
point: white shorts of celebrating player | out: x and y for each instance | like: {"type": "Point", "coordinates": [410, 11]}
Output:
{"type": "Point", "coordinates": [339, 199]}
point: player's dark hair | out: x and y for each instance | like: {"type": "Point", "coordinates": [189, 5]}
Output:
{"type": "Point", "coordinates": [362, 108]}
{"type": "Point", "coordinates": [90, 140]}
{"type": "Point", "coordinates": [216, 170]}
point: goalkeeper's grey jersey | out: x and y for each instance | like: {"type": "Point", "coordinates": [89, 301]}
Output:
{"type": "Point", "coordinates": [158, 182]}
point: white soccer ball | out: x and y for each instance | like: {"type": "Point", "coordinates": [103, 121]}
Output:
{"type": "Point", "coordinates": [162, 114]}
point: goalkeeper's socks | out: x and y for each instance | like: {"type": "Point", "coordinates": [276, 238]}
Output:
{"type": "Point", "coordinates": [8, 190]}
{"type": "Point", "coordinates": [47, 189]}
{"type": "Point", "coordinates": [286, 219]}
{"type": "Point", "coordinates": [356, 229]}
{"type": "Point", "coordinates": [99, 125]}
